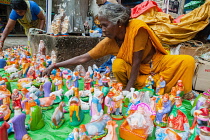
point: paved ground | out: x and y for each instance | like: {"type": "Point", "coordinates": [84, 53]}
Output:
{"type": "Point", "coordinates": [12, 41]}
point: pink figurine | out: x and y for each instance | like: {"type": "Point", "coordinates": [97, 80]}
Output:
{"type": "Point", "coordinates": [47, 101]}
{"type": "Point", "coordinates": [16, 98]}
{"type": "Point", "coordinates": [109, 102]}
{"type": "Point", "coordinates": [87, 81]}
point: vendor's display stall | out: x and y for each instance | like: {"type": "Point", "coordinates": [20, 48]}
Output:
{"type": "Point", "coordinates": [92, 105]}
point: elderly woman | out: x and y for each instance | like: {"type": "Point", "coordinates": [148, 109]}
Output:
{"type": "Point", "coordinates": [138, 51]}
{"type": "Point", "coordinates": [27, 13]}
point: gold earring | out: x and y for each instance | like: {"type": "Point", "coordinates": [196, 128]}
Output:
{"type": "Point", "coordinates": [120, 26]}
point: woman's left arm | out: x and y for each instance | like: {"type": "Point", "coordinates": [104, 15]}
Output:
{"type": "Point", "coordinates": [137, 58]}
{"type": "Point", "coordinates": [42, 20]}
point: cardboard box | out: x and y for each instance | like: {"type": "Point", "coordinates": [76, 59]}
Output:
{"type": "Point", "coordinates": [201, 80]}
{"type": "Point", "coordinates": [188, 51]}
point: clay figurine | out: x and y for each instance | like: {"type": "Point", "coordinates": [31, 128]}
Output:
{"type": "Point", "coordinates": [87, 81]}
{"type": "Point", "coordinates": [134, 101]}
{"type": "Point", "coordinates": [74, 135]}
{"type": "Point", "coordinates": [82, 131]}
{"type": "Point", "coordinates": [58, 81]}
{"type": "Point", "coordinates": [109, 102]}
{"type": "Point", "coordinates": [107, 71]}
{"type": "Point", "coordinates": [19, 127]}
{"type": "Point", "coordinates": [160, 85]}
{"type": "Point", "coordinates": [179, 88]}
{"type": "Point", "coordinates": [36, 121]}
{"type": "Point", "coordinates": [58, 116]}
{"type": "Point", "coordinates": [112, 134]}
{"type": "Point", "coordinates": [95, 129]}
{"type": "Point", "coordinates": [16, 98]}
{"type": "Point", "coordinates": [42, 48]}
{"type": "Point", "coordinates": [47, 102]}
{"type": "Point", "coordinates": [76, 79]}
{"type": "Point", "coordinates": [76, 115]}
{"type": "Point", "coordinates": [139, 124]}
{"type": "Point", "coordinates": [163, 107]}
{"type": "Point", "coordinates": [47, 87]}
{"type": "Point", "coordinates": [96, 107]}
{"type": "Point", "coordinates": [5, 111]}
{"type": "Point", "coordinates": [69, 82]}
{"type": "Point", "coordinates": [58, 94]}
{"type": "Point", "coordinates": [177, 119]}
{"type": "Point", "coordinates": [3, 128]}
{"type": "Point", "coordinates": [118, 98]}
{"type": "Point", "coordinates": [7, 93]}
{"type": "Point", "coordinates": [149, 82]}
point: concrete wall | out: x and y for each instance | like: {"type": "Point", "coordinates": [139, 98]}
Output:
{"type": "Point", "coordinates": [68, 47]}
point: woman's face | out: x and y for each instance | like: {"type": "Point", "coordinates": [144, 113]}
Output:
{"type": "Point", "coordinates": [109, 29]}
{"type": "Point", "coordinates": [21, 12]}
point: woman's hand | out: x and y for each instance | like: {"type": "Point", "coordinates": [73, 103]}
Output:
{"type": "Point", "coordinates": [48, 70]}
{"type": "Point", "coordinates": [1, 45]}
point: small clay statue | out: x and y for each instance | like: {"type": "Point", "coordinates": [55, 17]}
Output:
{"type": "Point", "coordinates": [160, 85]}
{"type": "Point", "coordinates": [3, 128]}
{"type": "Point", "coordinates": [58, 116]}
{"type": "Point", "coordinates": [19, 126]}
{"type": "Point", "coordinates": [36, 120]}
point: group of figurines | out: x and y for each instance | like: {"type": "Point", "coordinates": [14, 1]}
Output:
{"type": "Point", "coordinates": [60, 25]}
{"type": "Point", "coordinates": [146, 112]}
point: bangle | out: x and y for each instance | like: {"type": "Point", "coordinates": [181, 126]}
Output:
{"type": "Point", "coordinates": [54, 66]}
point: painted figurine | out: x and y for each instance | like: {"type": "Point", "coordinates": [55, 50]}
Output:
{"type": "Point", "coordinates": [7, 93]}
{"type": "Point", "coordinates": [3, 128]}
{"type": "Point", "coordinates": [76, 79]}
{"type": "Point", "coordinates": [46, 87]}
{"type": "Point", "coordinates": [5, 111]}
{"type": "Point", "coordinates": [74, 135]}
{"type": "Point", "coordinates": [58, 81]}
{"type": "Point", "coordinates": [96, 107]}
{"type": "Point", "coordinates": [160, 85]}
{"type": "Point", "coordinates": [82, 131]}
{"type": "Point", "coordinates": [107, 71]}
{"type": "Point", "coordinates": [47, 102]}
{"type": "Point", "coordinates": [177, 119]}
{"type": "Point", "coordinates": [118, 98]}
{"type": "Point", "coordinates": [16, 98]}
{"type": "Point", "coordinates": [135, 100]}
{"type": "Point", "coordinates": [112, 134]}
{"type": "Point", "coordinates": [69, 82]}
{"type": "Point", "coordinates": [42, 48]}
{"type": "Point", "coordinates": [109, 102]}
{"type": "Point", "coordinates": [76, 115]}
{"type": "Point", "coordinates": [163, 107]}
{"type": "Point", "coordinates": [19, 127]}
{"type": "Point", "coordinates": [58, 116]}
{"type": "Point", "coordinates": [179, 88]}
{"type": "Point", "coordinates": [87, 81]}
{"type": "Point", "coordinates": [149, 82]}
{"type": "Point", "coordinates": [36, 121]}
{"type": "Point", "coordinates": [96, 128]}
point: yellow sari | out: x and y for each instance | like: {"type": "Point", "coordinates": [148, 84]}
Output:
{"type": "Point", "coordinates": [171, 67]}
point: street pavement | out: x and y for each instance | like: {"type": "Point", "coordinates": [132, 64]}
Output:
{"type": "Point", "coordinates": [13, 41]}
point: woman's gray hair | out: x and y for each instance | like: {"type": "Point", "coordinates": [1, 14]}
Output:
{"type": "Point", "coordinates": [115, 13]}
